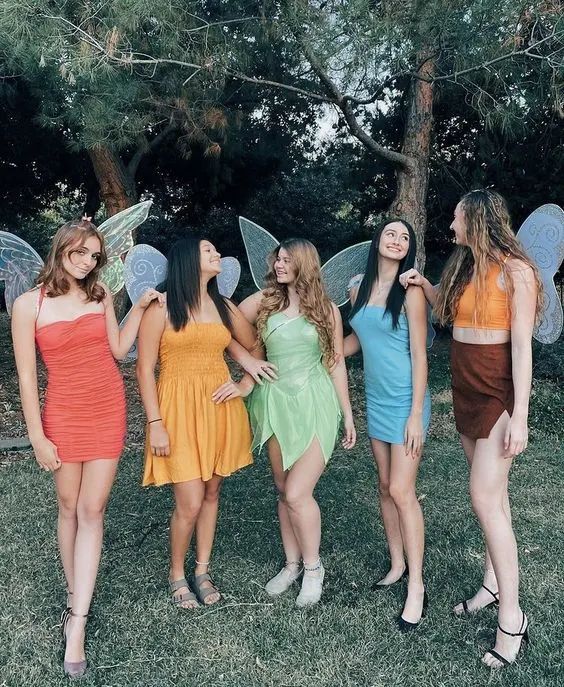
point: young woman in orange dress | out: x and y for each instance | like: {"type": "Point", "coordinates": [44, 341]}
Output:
{"type": "Point", "coordinates": [79, 435]}
{"type": "Point", "coordinates": [491, 293]}
{"type": "Point", "coordinates": [193, 439]}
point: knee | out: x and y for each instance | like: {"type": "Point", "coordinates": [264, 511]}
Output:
{"type": "Point", "coordinates": [90, 513]}
{"type": "Point", "coordinates": [188, 511]}
{"type": "Point", "coordinates": [384, 488]}
{"type": "Point", "coordinates": [293, 496]}
{"type": "Point", "coordinates": [483, 503]}
{"type": "Point", "coordinates": [401, 495]}
{"type": "Point", "coordinates": [211, 494]}
{"type": "Point", "coordinates": [67, 508]}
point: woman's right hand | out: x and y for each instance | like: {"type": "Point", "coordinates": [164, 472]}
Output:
{"type": "Point", "coordinates": [46, 455]}
{"type": "Point", "coordinates": [411, 277]}
{"type": "Point", "coordinates": [158, 439]}
{"type": "Point", "coordinates": [260, 370]}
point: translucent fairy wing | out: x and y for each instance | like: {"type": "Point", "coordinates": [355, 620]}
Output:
{"type": "Point", "coordinates": [258, 244]}
{"type": "Point", "coordinates": [117, 229]}
{"type": "Point", "coordinates": [144, 268]}
{"type": "Point", "coordinates": [337, 271]}
{"type": "Point", "coordinates": [20, 265]}
{"type": "Point", "coordinates": [229, 276]}
{"type": "Point", "coordinates": [118, 238]}
{"type": "Point", "coordinates": [542, 237]}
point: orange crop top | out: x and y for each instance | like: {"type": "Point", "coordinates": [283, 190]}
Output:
{"type": "Point", "coordinates": [498, 315]}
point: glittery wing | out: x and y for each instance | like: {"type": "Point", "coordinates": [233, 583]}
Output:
{"type": "Point", "coordinates": [118, 238]}
{"type": "Point", "coordinates": [144, 268]}
{"type": "Point", "coordinates": [259, 243]}
{"type": "Point", "coordinates": [356, 281]}
{"type": "Point", "coordinates": [337, 271]}
{"type": "Point", "coordinates": [20, 265]}
{"type": "Point", "coordinates": [542, 237]}
{"type": "Point", "coordinates": [229, 276]}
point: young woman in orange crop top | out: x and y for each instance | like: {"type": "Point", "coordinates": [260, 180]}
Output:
{"type": "Point", "coordinates": [79, 434]}
{"type": "Point", "coordinates": [490, 292]}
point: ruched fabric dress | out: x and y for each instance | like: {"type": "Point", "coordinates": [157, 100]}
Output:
{"type": "Point", "coordinates": [387, 373]}
{"type": "Point", "coordinates": [205, 438]}
{"type": "Point", "coordinates": [302, 403]}
{"type": "Point", "coordinates": [84, 411]}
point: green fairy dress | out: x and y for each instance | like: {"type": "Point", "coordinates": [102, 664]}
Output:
{"type": "Point", "coordinates": [302, 403]}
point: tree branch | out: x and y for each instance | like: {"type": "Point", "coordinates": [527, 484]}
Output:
{"type": "Point", "coordinates": [147, 147]}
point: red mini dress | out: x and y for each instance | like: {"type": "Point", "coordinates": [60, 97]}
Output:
{"type": "Point", "coordinates": [84, 413]}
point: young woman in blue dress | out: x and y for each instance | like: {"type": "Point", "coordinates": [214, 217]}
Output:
{"type": "Point", "coordinates": [390, 325]}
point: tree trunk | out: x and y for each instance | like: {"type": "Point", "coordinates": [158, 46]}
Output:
{"type": "Point", "coordinates": [117, 186]}
{"type": "Point", "coordinates": [413, 180]}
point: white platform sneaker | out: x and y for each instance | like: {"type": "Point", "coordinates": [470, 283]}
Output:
{"type": "Point", "coordinates": [281, 582]}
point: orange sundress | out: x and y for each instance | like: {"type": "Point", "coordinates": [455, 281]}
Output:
{"type": "Point", "coordinates": [205, 438]}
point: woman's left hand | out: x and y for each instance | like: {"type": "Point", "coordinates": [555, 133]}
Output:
{"type": "Point", "coordinates": [516, 436]}
{"type": "Point", "coordinates": [231, 390]}
{"type": "Point", "coordinates": [413, 436]}
{"type": "Point", "coordinates": [349, 439]}
{"type": "Point", "coordinates": [148, 297]}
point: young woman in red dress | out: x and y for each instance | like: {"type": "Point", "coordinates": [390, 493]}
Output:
{"type": "Point", "coordinates": [79, 434]}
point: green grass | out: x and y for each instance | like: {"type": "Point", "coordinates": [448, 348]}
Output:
{"type": "Point", "coordinates": [136, 639]}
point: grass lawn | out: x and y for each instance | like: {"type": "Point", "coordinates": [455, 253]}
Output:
{"type": "Point", "coordinates": [135, 637]}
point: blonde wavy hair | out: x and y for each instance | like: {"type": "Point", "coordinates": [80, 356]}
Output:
{"type": "Point", "coordinates": [69, 237]}
{"type": "Point", "coordinates": [315, 305]}
{"type": "Point", "coordinates": [490, 239]}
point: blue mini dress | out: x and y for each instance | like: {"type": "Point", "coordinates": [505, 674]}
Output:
{"type": "Point", "coordinates": [387, 373]}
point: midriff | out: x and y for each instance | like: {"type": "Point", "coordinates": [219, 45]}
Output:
{"type": "Point", "coordinates": [470, 335]}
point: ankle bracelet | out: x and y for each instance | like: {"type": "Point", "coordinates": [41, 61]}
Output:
{"type": "Point", "coordinates": [287, 564]}
{"type": "Point", "coordinates": [313, 567]}
{"type": "Point", "coordinates": [206, 563]}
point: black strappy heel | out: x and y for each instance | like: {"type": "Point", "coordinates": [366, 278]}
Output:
{"type": "Point", "coordinates": [494, 602]}
{"type": "Point", "coordinates": [524, 634]}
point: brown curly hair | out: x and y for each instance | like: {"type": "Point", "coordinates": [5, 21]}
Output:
{"type": "Point", "coordinates": [315, 305]}
{"type": "Point", "coordinates": [490, 240]}
{"type": "Point", "coordinates": [53, 275]}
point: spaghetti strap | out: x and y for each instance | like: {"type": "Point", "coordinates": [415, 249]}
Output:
{"type": "Point", "coordinates": [39, 303]}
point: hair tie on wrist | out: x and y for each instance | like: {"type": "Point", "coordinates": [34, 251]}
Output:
{"type": "Point", "coordinates": [155, 420]}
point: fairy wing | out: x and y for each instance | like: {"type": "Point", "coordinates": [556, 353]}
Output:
{"type": "Point", "coordinates": [229, 276]}
{"type": "Point", "coordinates": [259, 243]}
{"type": "Point", "coordinates": [20, 265]}
{"type": "Point", "coordinates": [118, 239]}
{"type": "Point", "coordinates": [542, 237]}
{"type": "Point", "coordinates": [337, 271]}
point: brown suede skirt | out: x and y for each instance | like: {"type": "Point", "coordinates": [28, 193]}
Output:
{"type": "Point", "coordinates": [482, 386]}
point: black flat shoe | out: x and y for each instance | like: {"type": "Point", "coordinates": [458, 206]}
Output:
{"type": "Point", "coordinates": [382, 587]}
{"type": "Point", "coordinates": [405, 626]}
{"type": "Point", "coordinates": [523, 633]}
{"type": "Point", "coordinates": [467, 611]}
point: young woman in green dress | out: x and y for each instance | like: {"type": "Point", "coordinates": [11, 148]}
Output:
{"type": "Point", "coordinates": [298, 415]}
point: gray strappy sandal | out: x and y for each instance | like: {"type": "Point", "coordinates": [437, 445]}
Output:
{"type": "Point", "coordinates": [203, 594]}
{"type": "Point", "coordinates": [178, 599]}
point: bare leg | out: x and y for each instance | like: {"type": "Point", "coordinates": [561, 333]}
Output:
{"type": "Point", "coordinates": [67, 484]}
{"type": "Point", "coordinates": [483, 597]}
{"type": "Point", "coordinates": [292, 549]}
{"type": "Point", "coordinates": [403, 475]}
{"type": "Point", "coordinates": [188, 498]}
{"type": "Point", "coordinates": [97, 479]}
{"type": "Point", "coordinates": [390, 518]}
{"type": "Point", "coordinates": [205, 532]}
{"type": "Point", "coordinates": [302, 507]}
{"type": "Point", "coordinates": [488, 489]}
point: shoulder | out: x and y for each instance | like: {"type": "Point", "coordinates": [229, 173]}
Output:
{"type": "Point", "coordinates": [414, 296]}
{"type": "Point", "coordinates": [518, 266]}
{"type": "Point", "coordinates": [26, 303]}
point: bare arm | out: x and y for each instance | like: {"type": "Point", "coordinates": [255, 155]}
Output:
{"type": "Point", "coordinates": [340, 381]}
{"type": "Point", "coordinates": [250, 306]}
{"type": "Point", "coordinates": [523, 307]}
{"type": "Point", "coordinates": [413, 278]}
{"type": "Point", "coordinates": [150, 333]}
{"type": "Point", "coordinates": [23, 337]}
{"type": "Point", "coordinates": [121, 340]}
{"type": "Point", "coordinates": [416, 309]}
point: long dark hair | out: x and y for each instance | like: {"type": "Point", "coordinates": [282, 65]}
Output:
{"type": "Point", "coordinates": [396, 296]}
{"type": "Point", "coordinates": [182, 284]}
